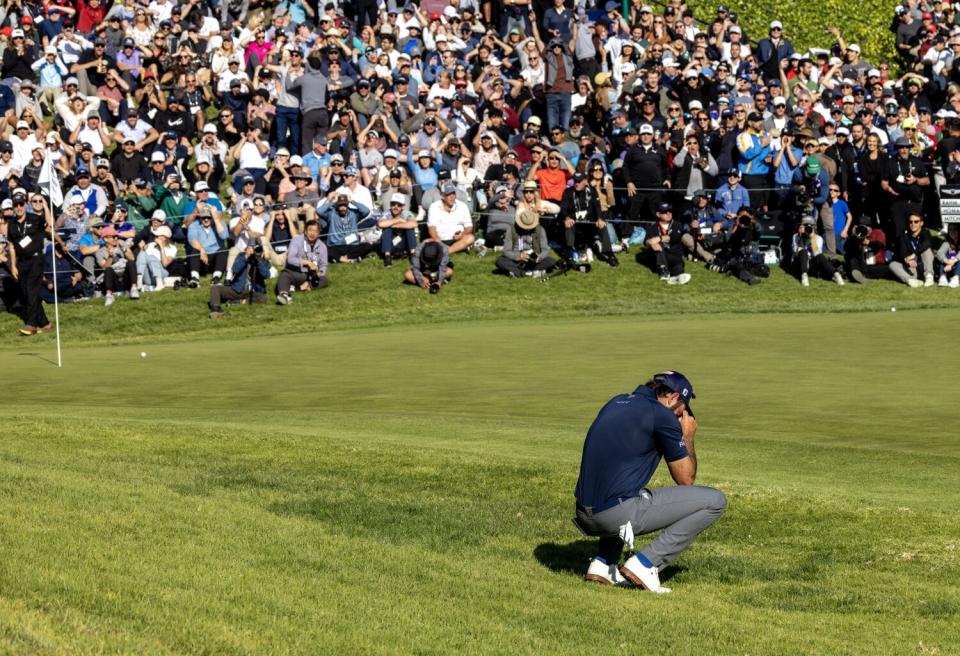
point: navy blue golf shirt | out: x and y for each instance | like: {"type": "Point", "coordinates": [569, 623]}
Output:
{"type": "Point", "coordinates": [624, 446]}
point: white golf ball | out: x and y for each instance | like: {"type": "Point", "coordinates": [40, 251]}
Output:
{"type": "Point", "coordinates": [143, 354]}
{"type": "Point", "coordinates": [893, 309]}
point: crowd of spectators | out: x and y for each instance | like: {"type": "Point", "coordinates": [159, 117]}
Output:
{"type": "Point", "coordinates": [258, 143]}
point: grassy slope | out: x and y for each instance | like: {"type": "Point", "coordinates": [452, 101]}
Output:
{"type": "Point", "coordinates": [408, 490]}
{"type": "Point", "coordinates": [366, 295]}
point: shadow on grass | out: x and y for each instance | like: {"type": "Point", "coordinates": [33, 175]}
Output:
{"type": "Point", "coordinates": [573, 558]}
{"type": "Point", "coordinates": [39, 357]}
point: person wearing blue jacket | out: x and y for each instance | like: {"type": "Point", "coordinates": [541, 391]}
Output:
{"type": "Point", "coordinates": [731, 196]}
{"type": "Point", "coordinates": [756, 155]}
{"type": "Point", "coordinates": [425, 169]}
{"type": "Point", "coordinates": [250, 274]}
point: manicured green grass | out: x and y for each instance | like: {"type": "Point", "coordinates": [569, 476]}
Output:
{"type": "Point", "coordinates": [408, 489]}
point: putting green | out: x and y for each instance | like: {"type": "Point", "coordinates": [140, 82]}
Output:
{"type": "Point", "coordinates": [409, 489]}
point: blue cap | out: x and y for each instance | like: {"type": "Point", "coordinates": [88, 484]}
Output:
{"type": "Point", "coordinates": [351, 170]}
{"type": "Point", "coordinates": [677, 382]}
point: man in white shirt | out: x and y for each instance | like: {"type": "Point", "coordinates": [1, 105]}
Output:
{"type": "Point", "coordinates": [449, 220]}
{"type": "Point", "coordinates": [247, 228]}
{"type": "Point", "coordinates": [352, 188]}
{"type": "Point", "coordinates": [24, 141]}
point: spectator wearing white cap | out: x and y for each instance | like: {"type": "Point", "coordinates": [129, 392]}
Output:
{"type": "Point", "coordinates": [399, 227]}
{"type": "Point", "coordinates": [27, 107]}
{"type": "Point", "coordinates": [17, 57]}
{"type": "Point", "coordinates": [352, 188]}
{"type": "Point", "coordinates": [51, 72]}
{"type": "Point", "coordinates": [155, 260]}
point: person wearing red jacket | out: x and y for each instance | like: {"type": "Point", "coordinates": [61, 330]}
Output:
{"type": "Point", "coordinates": [90, 13]}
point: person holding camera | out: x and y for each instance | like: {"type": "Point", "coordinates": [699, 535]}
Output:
{"type": "Point", "coordinates": [705, 233]}
{"type": "Point", "coordinates": [245, 228]}
{"type": "Point", "coordinates": [249, 277]}
{"type": "Point", "coordinates": [526, 251]}
{"type": "Point", "coordinates": [913, 254]}
{"type": "Point", "coordinates": [864, 252]}
{"type": "Point", "coordinates": [905, 180]}
{"type": "Point", "coordinates": [430, 266]}
{"type": "Point", "coordinates": [664, 252]}
{"type": "Point", "coordinates": [741, 256]}
{"type": "Point", "coordinates": [808, 256]}
{"type": "Point", "coordinates": [399, 222]}
{"type": "Point", "coordinates": [306, 266]}
{"type": "Point", "coordinates": [621, 452]}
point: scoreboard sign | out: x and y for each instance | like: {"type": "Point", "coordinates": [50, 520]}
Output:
{"type": "Point", "coordinates": [950, 203]}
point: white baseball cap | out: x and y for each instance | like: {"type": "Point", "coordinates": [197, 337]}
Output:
{"type": "Point", "coordinates": [398, 198]}
{"type": "Point", "coordinates": [158, 215]}
{"type": "Point", "coordinates": [646, 128]}
{"type": "Point", "coordinates": [209, 128]}
{"type": "Point", "coordinates": [201, 186]}
{"type": "Point", "coordinates": [157, 156]}
{"type": "Point", "coordinates": [776, 24]}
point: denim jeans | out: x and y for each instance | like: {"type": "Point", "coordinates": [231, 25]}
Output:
{"type": "Point", "coordinates": [408, 240]}
{"type": "Point", "coordinates": [288, 119]}
{"type": "Point", "coordinates": [558, 110]}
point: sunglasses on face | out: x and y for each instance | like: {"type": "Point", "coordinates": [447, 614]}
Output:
{"type": "Point", "coordinates": [915, 222]}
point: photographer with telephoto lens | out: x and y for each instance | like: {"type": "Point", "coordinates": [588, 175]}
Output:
{"type": "Point", "coordinates": [865, 253]}
{"type": "Point", "coordinates": [306, 264]}
{"type": "Point", "coordinates": [249, 281]}
{"type": "Point", "coordinates": [741, 256]}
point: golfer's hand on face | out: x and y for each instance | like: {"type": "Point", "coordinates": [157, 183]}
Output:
{"type": "Point", "coordinates": [688, 425]}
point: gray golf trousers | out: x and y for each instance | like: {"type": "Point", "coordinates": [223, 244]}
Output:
{"type": "Point", "coordinates": [683, 512]}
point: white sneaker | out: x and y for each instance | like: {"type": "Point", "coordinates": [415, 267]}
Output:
{"type": "Point", "coordinates": [108, 301]}
{"type": "Point", "coordinates": [134, 293]}
{"type": "Point", "coordinates": [679, 279]}
{"type": "Point", "coordinates": [804, 280]}
{"type": "Point", "coordinates": [954, 282]}
{"type": "Point", "coordinates": [928, 280]}
{"type": "Point", "coordinates": [604, 574]}
{"type": "Point", "coordinates": [944, 282]}
{"type": "Point", "coordinates": [283, 298]}
{"type": "Point", "coordinates": [913, 282]}
{"type": "Point", "coordinates": [837, 278]}
{"type": "Point", "coordinates": [647, 578]}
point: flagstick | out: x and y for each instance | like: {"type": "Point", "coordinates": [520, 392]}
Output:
{"type": "Point", "coordinates": [53, 258]}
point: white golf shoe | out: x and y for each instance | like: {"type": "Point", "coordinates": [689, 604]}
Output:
{"type": "Point", "coordinates": [804, 280]}
{"type": "Point", "coordinates": [837, 278]}
{"type": "Point", "coordinates": [913, 282]}
{"type": "Point", "coordinates": [928, 280]}
{"type": "Point", "coordinates": [679, 279]}
{"type": "Point", "coordinates": [600, 572]}
{"type": "Point", "coordinates": [954, 282]}
{"type": "Point", "coordinates": [639, 574]}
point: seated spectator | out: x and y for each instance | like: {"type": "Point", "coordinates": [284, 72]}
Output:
{"type": "Point", "coordinates": [116, 259]}
{"type": "Point", "coordinates": [665, 248]}
{"type": "Point", "coordinates": [913, 255]}
{"type": "Point", "coordinates": [156, 261]}
{"type": "Point", "coordinates": [340, 220]}
{"type": "Point", "coordinates": [208, 238]}
{"type": "Point", "coordinates": [246, 229]}
{"type": "Point", "coordinates": [582, 225]}
{"type": "Point", "coordinates": [399, 223]}
{"type": "Point", "coordinates": [705, 234]}
{"type": "Point", "coordinates": [69, 280]}
{"type": "Point", "coordinates": [306, 266]}
{"type": "Point", "coordinates": [449, 220]}
{"type": "Point", "coordinates": [500, 217]}
{"type": "Point", "coordinates": [430, 266]}
{"type": "Point", "coordinates": [248, 281]}
{"type": "Point", "coordinates": [808, 255]}
{"type": "Point", "coordinates": [526, 251]}
{"type": "Point", "coordinates": [947, 257]}
{"type": "Point", "coordinates": [278, 235]}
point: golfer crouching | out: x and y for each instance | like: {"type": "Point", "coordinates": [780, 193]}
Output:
{"type": "Point", "coordinates": [620, 454]}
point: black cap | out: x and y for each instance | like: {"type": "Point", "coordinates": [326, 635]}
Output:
{"type": "Point", "coordinates": [755, 116]}
{"type": "Point", "coordinates": [665, 207]}
{"type": "Point", "coordinates": [579, 176]}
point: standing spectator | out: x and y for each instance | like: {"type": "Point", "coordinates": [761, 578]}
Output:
{"type": "Point", "coordinates": [773, 51]}
{"type": "Point", "coordinates": [905, 178]}
{"type": "Point", "coordinates": [646, 171]}
{"type": "Point", "coordinates": [558, 82]}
